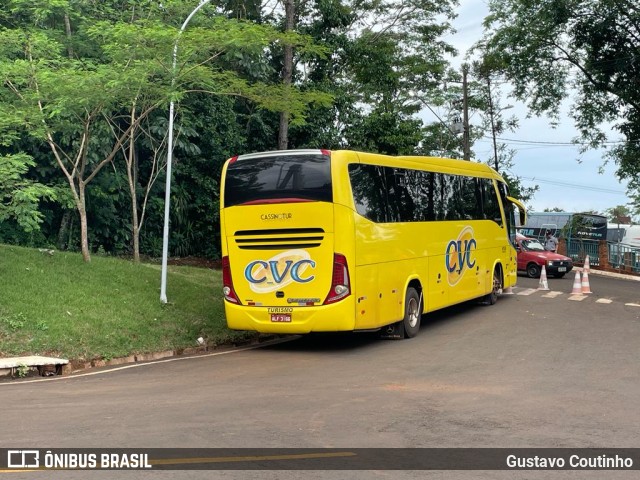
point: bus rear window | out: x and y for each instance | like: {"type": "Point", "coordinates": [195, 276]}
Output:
{"type": "Point", "coordinates": [273, 178]}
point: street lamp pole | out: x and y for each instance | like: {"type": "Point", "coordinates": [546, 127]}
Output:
{"type": "Point", "coordinates": [167, 191]}
{"type": "Point", "coordinates": [493, 125]}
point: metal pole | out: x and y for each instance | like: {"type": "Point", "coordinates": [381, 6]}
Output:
{"type": "Point", "coordinates": [167, 190]}
{"type": "Point", "coordinates": [465, 115]}
{"type": "Point", "coordinates": [493, 125]}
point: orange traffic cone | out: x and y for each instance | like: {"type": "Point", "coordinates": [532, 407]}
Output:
{"type": "Point", "coordinates": [577, 285]}
{"type": "Point", "coordinates": [587, 267]}
{"type": "Point", "coordinates": [585, 282]}
{"type": "Point", "coordinates": [543, 280]}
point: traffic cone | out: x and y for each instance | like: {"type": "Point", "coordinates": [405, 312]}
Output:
{"type": "Point", "coordinates": [585, 282]}
{"type": "Point", "coordinates": [577, 285]}
{"type": "Point", "coordinates": [587, 267]}
{"type": "Point", "coordinates": [543, 280]}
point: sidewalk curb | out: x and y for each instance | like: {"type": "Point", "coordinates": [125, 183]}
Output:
{"type": "Point", "coordinates": [48, 366]}
{"type": "Point", "coordinates": [606, 273]}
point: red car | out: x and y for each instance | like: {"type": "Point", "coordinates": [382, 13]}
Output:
{"type": "Point", "coordinates": [532, 256]}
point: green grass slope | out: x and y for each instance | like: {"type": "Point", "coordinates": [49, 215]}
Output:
{"type": "Point", "coordinates": [58, 305]}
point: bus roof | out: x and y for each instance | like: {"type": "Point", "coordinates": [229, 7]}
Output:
{"type": "Point", "coordinates": [449, 164]}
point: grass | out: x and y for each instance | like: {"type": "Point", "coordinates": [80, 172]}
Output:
{"type": "Point", "coordinates": [58, 305]}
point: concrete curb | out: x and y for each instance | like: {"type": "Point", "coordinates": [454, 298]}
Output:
{"type": "Point", "coordinates": [606, 273]}
{"type": "Point", "coordinates": [48, 366]}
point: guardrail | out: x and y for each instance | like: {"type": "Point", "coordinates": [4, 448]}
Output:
{"type": "Point", "coordinates": [623, 256]}
{"type": "Point", "coordinates": [578, 249]}
{"type": "Point", "coordinates": [612, 256]}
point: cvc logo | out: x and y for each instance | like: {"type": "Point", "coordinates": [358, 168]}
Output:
{"type": "Point", "coordinates": [459, 255]}
{"type": "Point", "coordinates": [279, 271]}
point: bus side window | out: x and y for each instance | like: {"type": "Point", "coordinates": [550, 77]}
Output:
{"type": "Point", "coordinates": [471, 208]}
{"type": "Point", "coordinates": [369, 192]}
{"type": "Point", "coordinates": [400, 201]}
{"type": "Point", "coordinates": [490, 205]}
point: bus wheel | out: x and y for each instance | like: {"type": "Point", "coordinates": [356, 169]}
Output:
{"type": "Point", "coordinates": [492, 297]}
{"type": "Point", "coordinates": [412, 313]}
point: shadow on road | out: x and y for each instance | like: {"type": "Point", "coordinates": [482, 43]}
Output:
{"type": "Point", "coordinates": [341, 341]}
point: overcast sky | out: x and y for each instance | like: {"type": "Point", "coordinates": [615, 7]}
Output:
{"type": "Point", "coordinates": [563, 182]}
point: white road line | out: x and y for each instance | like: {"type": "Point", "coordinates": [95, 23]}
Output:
{"type": "Point", "coordinates": [553, 294]}
{"type": "Point", "coordinates": [604, 300]}
{"type": "Point", "coordinates": [577, 298]}
{"type": "Point", "coordinates": [632, 304]}
{"type": "Point", "coordinates": [75, 375]}
{"type": "Point", "coordinates": [527, 291]}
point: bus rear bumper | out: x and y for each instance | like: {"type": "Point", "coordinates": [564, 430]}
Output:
{"type": "Point", "coordinates": [322, 318]}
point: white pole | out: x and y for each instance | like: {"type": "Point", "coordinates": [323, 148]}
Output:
{"type": "Point", "coordinates": [167, 190]}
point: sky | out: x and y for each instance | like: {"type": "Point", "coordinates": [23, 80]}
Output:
{"type": "Point", "coordinates": [564, 182]}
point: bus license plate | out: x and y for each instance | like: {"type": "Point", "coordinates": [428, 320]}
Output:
{"type": "Point", "coordinates": [281, 317]}
{"type": "Point", "coordinates": [562, 269]}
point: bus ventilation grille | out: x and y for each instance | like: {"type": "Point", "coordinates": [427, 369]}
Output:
{"type": "Point", "coordinates": [279, 239]}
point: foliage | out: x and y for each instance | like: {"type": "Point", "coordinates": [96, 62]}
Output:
{"type": "Point", "coordinates": [618, 214]}
{"type": "Point", "coordinates": [555, 49]}
{"type": "Point", "coordinates": [85, 89]}
{"type": "Point", "coordinates": [19, 197]}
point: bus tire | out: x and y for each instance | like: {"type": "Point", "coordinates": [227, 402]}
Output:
{"type": "Point", "coordinates": [412, 313]}
{"type": "Point", "coordinates": [492, 297]}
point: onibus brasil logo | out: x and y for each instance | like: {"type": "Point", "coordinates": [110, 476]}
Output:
{"type": "Point", "coordinates": [459, 255]}
{"type": "Point", "coordinates": [266, 276]}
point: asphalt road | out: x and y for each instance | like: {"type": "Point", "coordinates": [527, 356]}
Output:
{"type": "Point", "coordinates": [537, 369]}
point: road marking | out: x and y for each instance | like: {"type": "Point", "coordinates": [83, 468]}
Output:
{"type": "Point", "coordinates": [227, 459]}
{"type": "Point", "coordinates": [527, 291]}
{"type": "Point", "coordinates": [604, 300]}
{"type": "Point", "coordinates": [255, 458]}
{"type": "Point", "coordinates": [553, 294]}
{"type": "Point", "coordinates": [73, 376]}
{"type": "Point", "coordinates": [577, 298]}
{"type": "Point", "coordinates": [632, 304]}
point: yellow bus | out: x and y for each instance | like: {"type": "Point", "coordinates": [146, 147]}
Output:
{"type": "Point", "coordinates": [319, 240]}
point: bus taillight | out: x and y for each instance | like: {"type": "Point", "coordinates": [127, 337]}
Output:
{"type": "Point", "coordinates": [227, 282]}
{"type": "Point", "coordinates": [340, 285]}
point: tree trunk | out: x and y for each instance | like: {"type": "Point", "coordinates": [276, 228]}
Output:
{"type": "Point", "coordinates": [84, 230]}
{"type": "Point", "coordinates": [64, 228]}
{"type": "Point", "coordinates": [287, 74]}
{"type": "Point", "coordinates": [67, 27]}
{"type": "Point", "coordinates": [132, 177]}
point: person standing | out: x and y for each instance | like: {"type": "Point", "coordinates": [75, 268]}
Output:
{"type": "Point", "coordinates": [551, 242]}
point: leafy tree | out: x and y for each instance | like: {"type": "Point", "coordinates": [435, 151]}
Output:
{"type": "Point", "coordinates": [386, 59]}
{"type": "Point", "coordinates": [618, 214]}
{"type": "Point", "coordinates": [485, 99]}
{"type": "Point", "coordinates": [19, 197]}
{"type": "Point", "coordinates": [72, 89]}
{"type": "Point", "coordinates": [551, 49]}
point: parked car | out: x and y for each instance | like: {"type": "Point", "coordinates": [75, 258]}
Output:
{"type": "Point", "coordinates": [532, 256]}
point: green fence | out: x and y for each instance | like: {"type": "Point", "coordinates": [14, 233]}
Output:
{"type": "Point", "coordinates": [621, 255]}
{"type": "Point", "coordinates": [578, 249]}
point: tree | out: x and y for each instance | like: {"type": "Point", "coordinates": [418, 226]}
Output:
{"type": "Point", "coordinates": [618, 214]}
{"type": "Point", "coordinates": [556, 49]}
{"type": "Point", "coordinates": [71, 88]}
{"type": "Point", "coordinates": [485, 98]}
{"type": "Point", "coordinates": [19, 197]}
{"type": "Point", "coordinates": [385, 59]}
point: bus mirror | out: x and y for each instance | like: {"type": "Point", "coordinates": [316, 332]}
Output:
{"type": "Point", "coordinates": [521, 209]}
